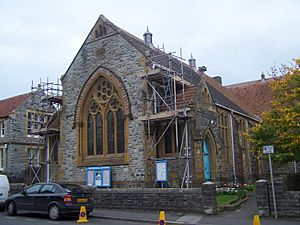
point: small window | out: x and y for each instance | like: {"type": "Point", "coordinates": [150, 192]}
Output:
{"type": "Point", "coordinates": [33, 189]}
{"type": "Point", "coordinates": [1, 158]}
{"type": "Point", "coordinates": [33, 157]}
{"type": "Point", "coordinates": [2, 129]}
{"type": "Point", "coordinates": [48, 188]}
{"type": "Point", "coordinates": [36, 121]}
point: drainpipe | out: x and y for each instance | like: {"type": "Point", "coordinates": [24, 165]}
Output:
{"type": "Point", "coordinates": [232, 146]}
{"type": "Point", "coordinates": [48, 159]}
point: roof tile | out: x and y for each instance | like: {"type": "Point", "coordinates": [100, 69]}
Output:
{"type": "Point", "coordinates": [8, 105]}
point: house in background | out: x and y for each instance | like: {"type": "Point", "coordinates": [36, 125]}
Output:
{"type": "Point", "coordinates": [22, 145]}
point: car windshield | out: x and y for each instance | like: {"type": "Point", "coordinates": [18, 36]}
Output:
{"type": "Point", "coordinates": [73, 188]}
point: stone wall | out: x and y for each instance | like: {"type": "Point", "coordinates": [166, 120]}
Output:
{"type": "Point", "coordinates": [121, 58]}
{"type": "Point", "coordinates": [198, 200]}
{"type": "Point", "coordinates": [287, 202]}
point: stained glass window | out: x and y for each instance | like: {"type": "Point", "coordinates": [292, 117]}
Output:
{"type": "Point", "coordinates": [99, 130]}
{"type": "Point", "coordinates": [120, 132]}
{"type": "Point", "coordinates": [110, 132]}
{"type": "Point", "coordinates": [90, 135]}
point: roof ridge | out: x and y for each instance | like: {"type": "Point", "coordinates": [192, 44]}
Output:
{"type": "Point", "coordinates": [16, 96]}
{"type": "Point", "coordinates": [249, 82]}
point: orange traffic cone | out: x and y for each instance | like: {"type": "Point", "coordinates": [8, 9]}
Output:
{"type": "Point", "coordinates": [82, 215]}
{"type": "Point", "coordinates": [256, 220]}
{"type": "Point", "coordinates": [162, 218]}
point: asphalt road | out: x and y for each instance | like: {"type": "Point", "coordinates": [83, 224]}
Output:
{"type": "Point", "coordinates": [37, 219]}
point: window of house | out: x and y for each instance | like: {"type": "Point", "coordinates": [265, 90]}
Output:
{"type": "Point", "coordinates": [2, 129]}
{"type": "Point", "coordinates": [36, 121]}
{"type": "Point", "coordinates": [224, 133]}
{"type": "Point", "coordinates": [242, 132]}
{"type": "Point", "coordinates": [104, 121]}
{"type": "Point", "coordinates": [1, 158]}
{"type": "Point", "coordinates": [33, 157]}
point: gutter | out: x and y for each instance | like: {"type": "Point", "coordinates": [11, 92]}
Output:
{"type": "Point", "coordinates": [242, 114]}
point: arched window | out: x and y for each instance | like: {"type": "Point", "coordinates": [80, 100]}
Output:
{"type": "Point", "coordinates": [90, 132]}
{"type": "Point", "coordinates": [120, 132]}
{"type": "Point", "coordinates": [110, 132]}
{"type": "Point", "coordinates": [205, 97]}
{"type": "Point", "coordinates": [103, 130]}
{"type": "Point", "coordinates": [99, 130]}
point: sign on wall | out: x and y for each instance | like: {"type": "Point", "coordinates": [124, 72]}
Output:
{"type": "Point", "coordinates": [161, 171]}
{"type": "Point", "coordinates": [98, 176]}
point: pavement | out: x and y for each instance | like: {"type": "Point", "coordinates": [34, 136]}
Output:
{"type": "Point", "coordinates": [242, 215]}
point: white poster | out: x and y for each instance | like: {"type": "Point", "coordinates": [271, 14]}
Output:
{"type": "Point", "coordinates": [90, 178]}
{"type": "Point", "coordinates": [106, 178]}
{"type": "Point", "coordinates": [161, 170]}
{"type": "Point", "coordinates": [98, 178]}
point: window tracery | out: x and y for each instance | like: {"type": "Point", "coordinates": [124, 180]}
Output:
{"type": "Point", "coordinates": [103, 121]}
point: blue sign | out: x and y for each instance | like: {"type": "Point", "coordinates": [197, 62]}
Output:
{"type": "Point", "coordinates": [98, 176]}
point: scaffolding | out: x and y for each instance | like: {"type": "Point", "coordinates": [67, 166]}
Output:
{"type": "Point", "coordinates": [165, 95]}
{"type": "Point", "coordinates": [43, 111]}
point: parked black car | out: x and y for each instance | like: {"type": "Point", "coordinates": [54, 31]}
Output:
{"type": "Point", "coordinates": [55, 199]}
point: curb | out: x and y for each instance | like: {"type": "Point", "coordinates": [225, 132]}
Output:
{"type": "Point", "coordinates": [136, 220]}
{"type": "Point", "coordinates": [232, 207]}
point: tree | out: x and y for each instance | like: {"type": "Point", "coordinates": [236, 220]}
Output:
{"type": "Point", "coordinates": [281, 125]}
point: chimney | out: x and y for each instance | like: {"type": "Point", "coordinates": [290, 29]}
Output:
{"type": "Point", "coordinates": [218, 79]}
{"type": "Point", "coordinates": [263, 76]}
{"type": "Point", "coordinates": [148, 38]}
{"type": "Point", "coordinates": [202, 69]}
{"type": "Point", "coordinates": [192, 62]}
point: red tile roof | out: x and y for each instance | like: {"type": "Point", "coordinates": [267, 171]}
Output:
{"type": "Point", "coordinates": [256, 94]}
{"type": "Point", "coordinates": [10, 104]}
{"type": "Point", "coordinates": [224, 97]}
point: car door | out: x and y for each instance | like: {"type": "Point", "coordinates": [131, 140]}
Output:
{"type": "Point", "coordinates": [45, 196]}
{"type": "Point", "coordinates": [26, 201]}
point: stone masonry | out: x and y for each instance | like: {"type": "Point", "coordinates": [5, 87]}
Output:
{"type": "Point", "coordinates": [121, 59]}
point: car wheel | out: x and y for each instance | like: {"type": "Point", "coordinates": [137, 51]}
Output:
{"type": "Point", "coordinates": [54, 212]}
{"type": "Point", "coordinates": [11, 209]}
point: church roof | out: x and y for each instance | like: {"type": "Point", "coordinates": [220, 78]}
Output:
{"type": "Point", "coordinates": [159, 58]}
{"type": "Point", "coordinates": [224, 98]}
{"type": "Point", "coordinates": [256, 94]}
{"type": "Point", "coordinates": [8, 105]}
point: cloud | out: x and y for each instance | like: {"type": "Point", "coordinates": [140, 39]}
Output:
{"type": "Point", "coordinates": [234, 39]}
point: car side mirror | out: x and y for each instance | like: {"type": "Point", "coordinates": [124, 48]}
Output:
{"type": "Point", "coordinates": [23, 192]}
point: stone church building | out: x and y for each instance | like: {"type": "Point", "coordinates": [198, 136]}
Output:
{"type": "Point", "coordinates": [128, 105]}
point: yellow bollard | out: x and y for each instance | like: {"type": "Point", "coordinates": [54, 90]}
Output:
{"type": "Point", "coordinates": [256, 220]}
{"type": "Point", "coordinates": [82, 215]}
{"type": "Point", "coordinates": [162, 218]}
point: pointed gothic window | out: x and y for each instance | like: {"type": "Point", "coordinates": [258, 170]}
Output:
{"type": "Point", "coordinates": [99, 141]}
{"type": "Point", "coordinates": [120, 131]}
{"type": "Point", "coordinates": [110, 132]}
{"type": "Point", "coordinates": [104, 124]}
{"type": "Point", "coordinates": [90, 132]}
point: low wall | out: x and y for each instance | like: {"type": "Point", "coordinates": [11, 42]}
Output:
{"type": "Point", "coordinates": [199, 200]}
{"type": "Point", "coordinates": [287, 202]}
{"type": "Point", "coordinates": [16, 187]}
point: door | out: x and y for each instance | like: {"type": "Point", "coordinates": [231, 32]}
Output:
{"type": "Point", "coordinates": [26, 201]}
{"type": "Point", "coordinates": [206, 161]}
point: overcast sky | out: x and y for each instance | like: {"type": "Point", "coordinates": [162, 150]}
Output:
{"type": "Point", "coordinates": [235, 39]}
